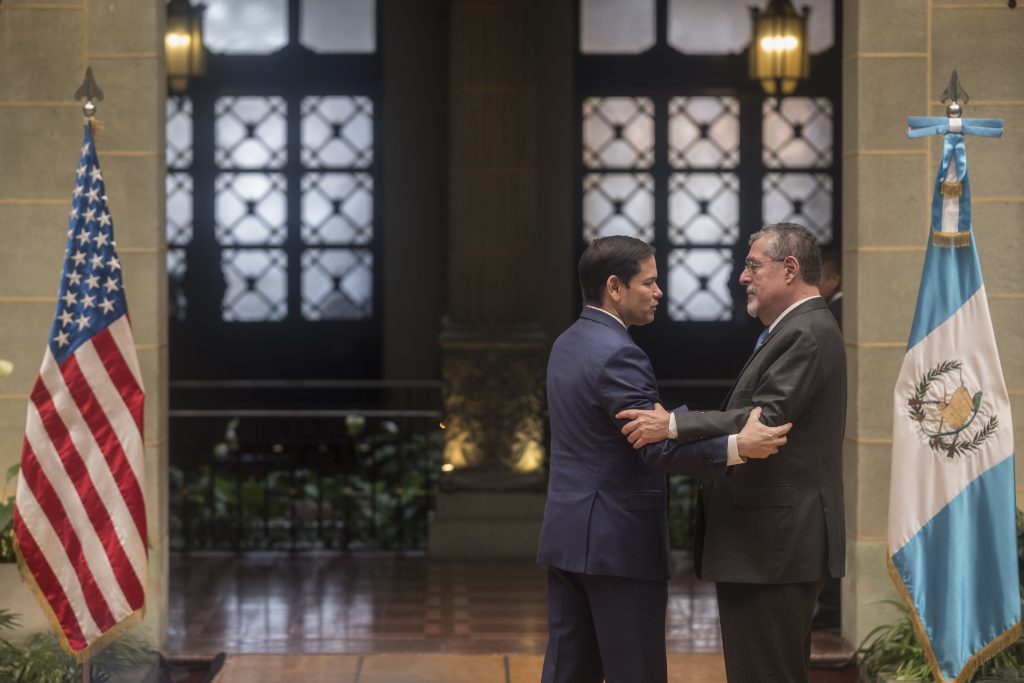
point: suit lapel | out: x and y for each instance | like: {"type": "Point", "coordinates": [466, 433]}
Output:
{"type": "Point", "coordinates": [806, 306]}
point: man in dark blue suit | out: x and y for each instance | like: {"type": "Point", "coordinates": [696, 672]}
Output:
{"type": "Point", "coordinates": [605, 531]}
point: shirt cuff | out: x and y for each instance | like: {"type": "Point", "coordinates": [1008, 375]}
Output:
{"type": "Point", "coordinates": [673, 433]}
{"type": "Point", "coordinates": [734, 452]}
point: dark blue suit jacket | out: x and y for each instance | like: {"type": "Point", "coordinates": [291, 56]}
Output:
{"type": "Point", "coordinates": [606, 511]}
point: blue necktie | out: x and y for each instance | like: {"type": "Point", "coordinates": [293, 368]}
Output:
{"type": "Point", "coordinates": [761, 339]}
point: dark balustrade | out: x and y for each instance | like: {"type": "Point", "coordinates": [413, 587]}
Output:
{"type": "Point", "coordinates": [337, 465]}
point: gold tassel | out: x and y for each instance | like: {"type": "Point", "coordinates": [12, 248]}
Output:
{"type": "Point", "coordinates": [127, 623]}
{"type": "Point", "coordinates": [97, 129]}
{"type": "Point", "coordinates": [949, 240]}
{"type": "Point", "coordinates": [994, 647]}
{"type": "Point", "coordinates": [952, 188]}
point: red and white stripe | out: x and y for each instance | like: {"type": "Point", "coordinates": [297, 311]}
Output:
{"type": "Point", "coordinates": [80, 517]}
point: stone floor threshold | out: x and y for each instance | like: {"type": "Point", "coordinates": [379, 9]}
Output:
{"type": "Point", "coordinates": [446, 668]}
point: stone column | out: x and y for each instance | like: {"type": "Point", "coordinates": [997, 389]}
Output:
{"type": "Point", "coordinates": [898, 59]}
{"type": "Point", "coordinates": [492, 347]}
{"type": "Point", "coordinates": [43, 56]}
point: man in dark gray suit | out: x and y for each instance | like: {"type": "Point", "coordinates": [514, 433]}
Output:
{"type": "Point", "coordinates": [605, 531]}
{"type": "Point", "coordinates": [771, 534]}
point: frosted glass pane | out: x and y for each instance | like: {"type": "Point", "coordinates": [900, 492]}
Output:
{"type": "Point", "coordinates": [704, 132]}
{"type": "Point", "coordinates": [179, 208]}
{"type": "Point", "coordinates": [703, 208]}
{"type": "Point", "coordinates": [251, 132]}
{"type": "Point", "coordinates": [256, 285]}
{"type": "Point", "coordinates": [255, 27]}
{"type": "Point", "coordinates": [616, 26]}
{"type": "Point", "coordinates": [337, 208]}
{"type": "Point", "coordinates": [179, 132]}
{"type": "Point", "coordinates": [337, 284]}
{"type": "Point", "coordinates": [802, 198]}
{"type": "Point", "coordinates": [339, 25]}
{"type": "Point", "coordinates": [709, 27]}
{"type": "Point", "coordinates": [821, 30]}
{"type": "Point", "coordinates": [724, 26]}
{"type": "Point", "coordinates": [618, 204]}
{"type": "Point", "coordinates": [698, 284]}
{"type": "Point", "coordinates": [250, 208]}
{"type": "Point", "coordinates": [798, 134]}
{"type": "Point", "coordinates": [618, 132]}
{"type": "Point", "coordinates": [337, 131]}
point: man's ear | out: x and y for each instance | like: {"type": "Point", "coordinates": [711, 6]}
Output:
{"type": "Point", "coordinates": [613, 287]}
{"type": "Point", "coordinates": [792, 268]}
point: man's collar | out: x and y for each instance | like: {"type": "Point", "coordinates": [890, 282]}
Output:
{"type": "Point", "coordinates": [609, 313]}
{"type": "Point", "coordinates": [835, 297]}
{"type": "Point", "coordinates": [786, 312]}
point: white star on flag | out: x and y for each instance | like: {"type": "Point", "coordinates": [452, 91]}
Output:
{"type": "Point", "coordinates": [70, 299]}
{"type": "Point", "coordinates": [83, 322]}
{"type": "Point", "coordinates": [74, 277]}
{"type": "Point", "coordinates": [61, 339]}
{"type": "Point", "coordinates": [107, 305]}
{"type": "Point", "coordinates": [92, 282]}
{"type": "Point", "coordinates": [66, 318]}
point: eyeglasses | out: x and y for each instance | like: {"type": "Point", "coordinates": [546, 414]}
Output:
{"type": "Point", "coordinates": [753, 266]}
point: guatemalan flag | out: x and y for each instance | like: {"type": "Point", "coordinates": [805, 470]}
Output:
{"type": "Point", "coordinates": [80, 517]}
{"type": "Point", "coordinates": [952, 534]}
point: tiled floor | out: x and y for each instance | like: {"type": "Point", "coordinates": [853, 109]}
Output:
{"type": "Point", "coordinates": [682, 668]}
{"type": "Point", "coordinates": [310, 603]}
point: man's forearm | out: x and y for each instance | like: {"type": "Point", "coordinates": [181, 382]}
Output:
{"type": "Point", "coordinates": [733, 449]}
{"type": "Point", "coordinates": [692, 425]}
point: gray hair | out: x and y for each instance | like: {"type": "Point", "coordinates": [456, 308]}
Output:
{"type": "Point", "coordinates": [789, 239]}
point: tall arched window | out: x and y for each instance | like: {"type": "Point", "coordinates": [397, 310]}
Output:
{"type": "Point", "coordinates": [678, 147]}
{"type": "Point", "coordinates": [273, 195]}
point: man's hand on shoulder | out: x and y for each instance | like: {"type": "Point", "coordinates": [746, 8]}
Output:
{"type": "Point", "coordinates": [758, 440]}
{"type": "Point", "coordinates": [645, 426]}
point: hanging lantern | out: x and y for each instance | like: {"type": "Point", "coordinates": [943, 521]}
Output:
{"type": "Point", "coordinates": [183, 43]}
{"type": "Point", "coordinates": [778, 55]}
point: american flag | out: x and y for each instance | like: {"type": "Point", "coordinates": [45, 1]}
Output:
{"type": "Point", "coordinates": [80, 518]}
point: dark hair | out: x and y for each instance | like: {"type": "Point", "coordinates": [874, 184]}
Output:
{"type": "Point", "coordinates": [789, 239]}
{"type": "Point", "coordinates": [616, 255]}
{"type": "Point", "coordinates": [832, 258]}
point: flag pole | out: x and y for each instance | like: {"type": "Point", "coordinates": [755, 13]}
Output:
{"type": "Point", "coordinates": [88, 89]}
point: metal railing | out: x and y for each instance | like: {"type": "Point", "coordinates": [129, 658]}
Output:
{"type": "Point", "coordinates": [265, 464]}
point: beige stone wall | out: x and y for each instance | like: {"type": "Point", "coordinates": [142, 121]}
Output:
{"type": "Point", "coordinates": [44, 49]}
{"type": "Point", "coordinates": [898, 56]}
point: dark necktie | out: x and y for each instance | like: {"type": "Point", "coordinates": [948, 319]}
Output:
{"type": "Point", "coordinates": [761, 339]}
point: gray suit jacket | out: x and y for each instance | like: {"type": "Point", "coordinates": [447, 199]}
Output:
{"type": "Point", "coordinates": [780, 520]}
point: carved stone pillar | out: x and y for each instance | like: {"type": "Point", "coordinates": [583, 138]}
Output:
{"type": "Point", "coordinates": [493, 351]}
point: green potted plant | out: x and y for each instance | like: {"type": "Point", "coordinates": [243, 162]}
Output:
{"type": "Point", "coordinates": [892, 652]}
